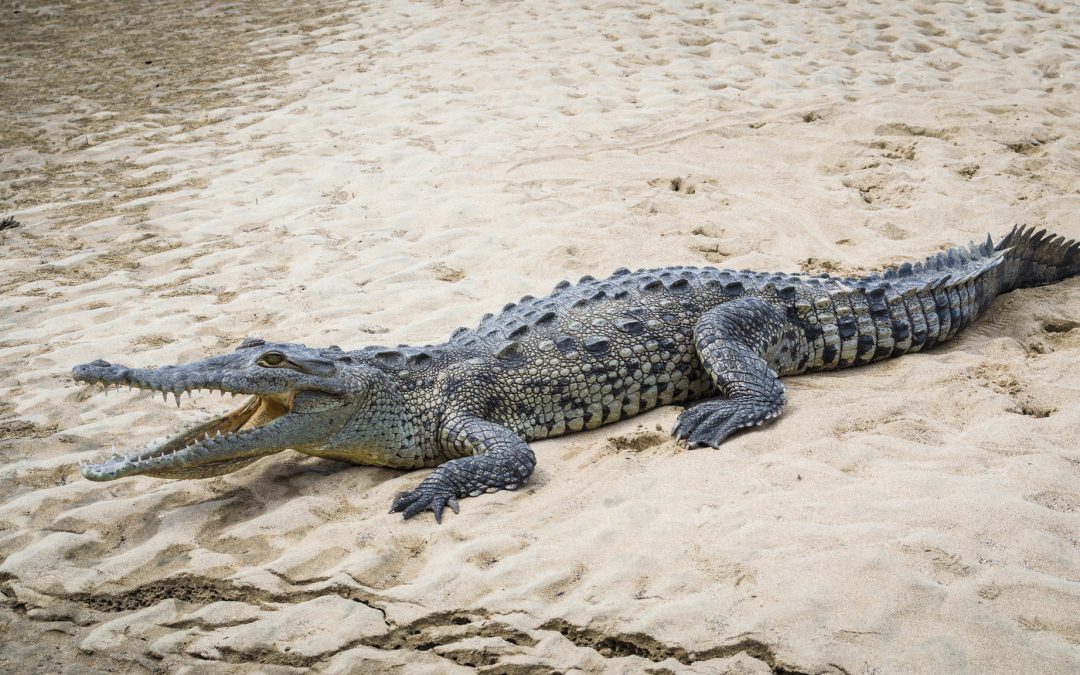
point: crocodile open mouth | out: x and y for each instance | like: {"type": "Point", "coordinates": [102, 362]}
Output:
{"type": "Point", "coordinates": [256, 411]}
{"type": "Point", "coordinates": [210, 448]}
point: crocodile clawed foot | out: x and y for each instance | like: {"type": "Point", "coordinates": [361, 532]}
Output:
{"type": "Point", "coordinates": [710, 422]}
{"type": "Point", "coordinates": [426, 496]}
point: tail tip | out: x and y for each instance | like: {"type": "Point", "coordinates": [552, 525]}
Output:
{"type": "Point", "coordinates": [1040, 257]}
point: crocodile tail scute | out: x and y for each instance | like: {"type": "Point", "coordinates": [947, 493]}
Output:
{"type": "Point", "coordinates": [1036, 258]}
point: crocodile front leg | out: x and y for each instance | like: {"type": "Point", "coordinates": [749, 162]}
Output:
{"type": "Point", "coordinates": [496, 459]}
{"type": "Point", "coordinates": [737, 343]}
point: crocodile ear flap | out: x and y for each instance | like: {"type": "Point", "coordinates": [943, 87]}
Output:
{"type": "Point", "coordinates": [250, 342]}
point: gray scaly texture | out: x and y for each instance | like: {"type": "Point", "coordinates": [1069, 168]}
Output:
{"type": "Point", "coordinates": [585, 355]}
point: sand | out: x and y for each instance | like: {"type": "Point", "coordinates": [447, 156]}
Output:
{"type": "Point", "coordinates": [374, 173]}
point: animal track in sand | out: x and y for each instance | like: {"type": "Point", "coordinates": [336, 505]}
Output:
{"type": "Point", "coordinates": [967, 169]}
{"type": "Point", "coordinates": [1067, 630]}
{"type": "Point", "coordinates": [715, 246]}
{"type": "Point", "coordinates": [444, 272]}
{"type": "Point", "coordinates": [1003, 378]}
{"type": "Point", "coordinates": [929, 28]}
{"type": "Point", "coordinates": [897, 423]}
{"type": "Point", "coordinates": [1053, 335]}
{"type": "Point", "coordinates": [1060, 325]}
{"type": "Point", "coordinates": [825, 265]}
{"type": "Point", "coordinates": [713, 253]}
{"type": "Point", "coordinates": [563, 582]}
{"type": "Point", "coordinates": [153, 341]}
{"type": "Point", "coordinates": [873, 169]}
{"type": "Point", "coordinates": [1062, 502]}
{"type": "Point", "coordinates": [879, 188]}
{"type": "Point", "coordinates": [676, 184]}
{"type": "Point", "coordinates": [891, 149]}
{"type": "Point", "coordinates": [904, 129]}
{"type": "Point", "coordinates": [491, 554]}
{"type": "Point", "coordinates": [889, 230]}
{"type": "Point", "coordinates": [943, 566]}
{"type": "Point", "coordinates": [1029, 145]}
{"type": "Point", "coordinates": [639, 440]}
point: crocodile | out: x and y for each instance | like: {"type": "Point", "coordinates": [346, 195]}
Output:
{"type": "Point", "coordinates": [588, 354]}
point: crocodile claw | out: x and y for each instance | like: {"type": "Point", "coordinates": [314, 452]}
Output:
{"type": "Point", "coordinates": [424, 497]}
{"type": "Point", "coordinates": [710, 422]}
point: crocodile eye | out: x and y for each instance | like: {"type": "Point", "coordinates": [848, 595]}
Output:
{"type": "Point", "coordinates": [272, 359]}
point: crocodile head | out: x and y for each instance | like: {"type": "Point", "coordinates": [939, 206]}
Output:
{"type": "Point", "coordinates": [296, 397]}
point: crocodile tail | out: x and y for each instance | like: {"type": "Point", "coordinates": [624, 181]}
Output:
{"type": "Point", "coordinates": [1036, 258]}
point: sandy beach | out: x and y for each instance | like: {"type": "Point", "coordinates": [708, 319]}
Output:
{"type": "Point", "coordinates": [351, 173]}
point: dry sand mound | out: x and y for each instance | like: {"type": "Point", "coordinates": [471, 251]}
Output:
{"type": "Point", "coordinates": [351, 173]}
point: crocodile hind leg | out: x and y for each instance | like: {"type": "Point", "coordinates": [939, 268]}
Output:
{"type": "Point", "coordinates": [498, 459]}
{"type": "Point", "coordinates": [737, 343]}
